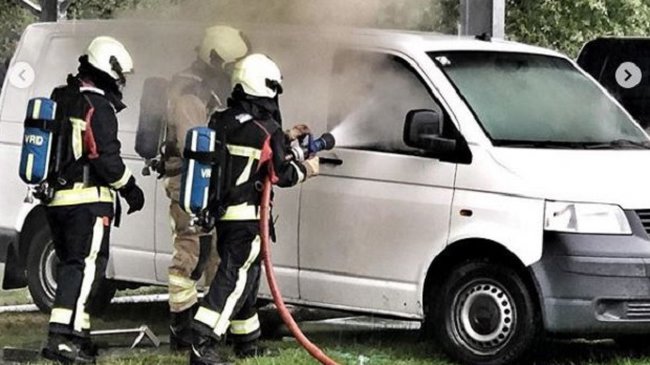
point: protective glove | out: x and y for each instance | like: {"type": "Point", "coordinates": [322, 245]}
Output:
{"type": "Point", "coordinates": [312, 167]}
{"type": "Point", "coordinates": [297, 131]}
{"type": "Point", "coordinates": [133, 195]}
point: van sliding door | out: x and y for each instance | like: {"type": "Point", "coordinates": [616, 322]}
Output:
{"type": "Point", "coordinates": [369, 226]}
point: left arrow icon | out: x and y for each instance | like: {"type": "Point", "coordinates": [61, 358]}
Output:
{"type": "Point", "coordinates": [21, 75]}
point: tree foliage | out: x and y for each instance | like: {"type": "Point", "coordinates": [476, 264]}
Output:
{"type": "Point", "coordinates": [13, 20]}
{"type": "Point", "coordinates": [567, 25]}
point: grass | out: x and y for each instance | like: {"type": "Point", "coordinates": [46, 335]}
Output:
{"type": "Point", "coordinates": [347, 346]}
{"type": "Point", "coordinates": [15, 297]}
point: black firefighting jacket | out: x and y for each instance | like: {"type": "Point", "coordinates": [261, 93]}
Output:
{"type": "Point", "coordinates": [87, 162]}
{"type": "Point", "coordinates": [257, 148]}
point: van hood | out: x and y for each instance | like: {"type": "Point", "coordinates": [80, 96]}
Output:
{"type": "Point", "coordinates": [620, 177]}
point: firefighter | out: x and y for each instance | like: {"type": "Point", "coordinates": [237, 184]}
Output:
{"type": "Point", "coordinates": [193, 95]}
{"type": "Point", "coordinates": [80, 210]}
{"type": "Point", "coordinates": [257, 149]}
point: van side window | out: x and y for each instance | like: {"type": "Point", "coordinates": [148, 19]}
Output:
{"type": "Point", "coordinates": [370, 95]}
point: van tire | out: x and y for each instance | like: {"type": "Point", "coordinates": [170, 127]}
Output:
{"type": "Point", "coordinates": [41, 276]}
{"type": "Point", "coordinates": [484, 314]}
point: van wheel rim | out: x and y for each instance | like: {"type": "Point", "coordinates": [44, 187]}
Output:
{"type": "Point", "coordinates": [47, 272]}
{"type": "Point", "coordinates": [484, 317]}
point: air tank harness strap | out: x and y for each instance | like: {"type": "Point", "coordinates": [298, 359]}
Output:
{"type": "Point", "coordinates": [167, 151]}
{"type": "Point", "coordinates": [208, 158]}
{"type": "Point", "coordinates": [48, 125]}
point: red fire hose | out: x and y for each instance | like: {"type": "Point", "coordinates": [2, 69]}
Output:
{"type": "Point", "coordinates": [313, 350]}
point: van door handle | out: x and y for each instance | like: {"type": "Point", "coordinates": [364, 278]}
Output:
{"type": "Point", "coordinates": [331, 161]}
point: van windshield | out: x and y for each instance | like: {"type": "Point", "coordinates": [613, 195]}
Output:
{"type": "Point", "coordinates": [532, 100]}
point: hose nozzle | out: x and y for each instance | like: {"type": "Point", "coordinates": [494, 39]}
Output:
{"type": "Point", "coordinates": [325, 143]}
{"type": "Point", "coordinates": [309, 146]}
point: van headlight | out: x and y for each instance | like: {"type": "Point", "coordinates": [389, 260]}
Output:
{"type": "Point", "coordinates": [585, 218]}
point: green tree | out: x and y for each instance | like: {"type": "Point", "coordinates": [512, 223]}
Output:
{"type": "Point", "coordinates": [13, 20]}
{"type": "Point", "coordinates": [567, 25]}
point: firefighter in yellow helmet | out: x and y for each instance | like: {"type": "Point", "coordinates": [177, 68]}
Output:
{"type": "Point", "coordinates": [193, 94]}
{"type": "Point", "coordinates": [87, 173]}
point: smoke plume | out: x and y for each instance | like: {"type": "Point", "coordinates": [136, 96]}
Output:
{"type": "Point", "coordinates": [364, 99]}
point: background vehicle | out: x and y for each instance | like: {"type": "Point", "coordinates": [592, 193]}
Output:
{"type": "Point", "coordinates": [622, 66]}
{"type": "Point", "coordinates": [491, 216]}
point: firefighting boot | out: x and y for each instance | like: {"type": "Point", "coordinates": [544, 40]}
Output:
{"type": "Point", "coordinates": [205, 351]}
{"type": "Point", "coordinates": [249, 349]}
{"type": "Point", "coordinates": [180, 329]}
{"type": "Point", "coordinates": [65, 350]}
{"type": "Point", "coordinates": [86, 346]}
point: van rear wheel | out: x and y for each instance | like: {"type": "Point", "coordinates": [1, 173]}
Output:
{"type": "Point", "coordinates": [41, 276]}
{"type": "Point", "coordinates": [484, 314]}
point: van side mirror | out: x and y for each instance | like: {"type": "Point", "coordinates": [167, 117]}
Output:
{"type": "Point", "coordinates": [423, 129]}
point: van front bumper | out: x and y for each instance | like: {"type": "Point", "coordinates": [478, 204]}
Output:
{"type": "Point", "coordinates": [595, 284]}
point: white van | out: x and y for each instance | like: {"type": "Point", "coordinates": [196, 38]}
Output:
{"type": "Point", "coordinates": [490, 189]}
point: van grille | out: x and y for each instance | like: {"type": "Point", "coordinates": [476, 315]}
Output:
{"type": "Point", "coordinates": [644, 215]}
{"type": "Point", "coordinates": [637, 310]}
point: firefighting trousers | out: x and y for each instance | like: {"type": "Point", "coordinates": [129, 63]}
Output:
{"type": "Point", "coordinates": [230, 303]}
{"type": "Point", "coordinates": [194, 254]}
{"type": "Point", "coordinates": [81, 236]}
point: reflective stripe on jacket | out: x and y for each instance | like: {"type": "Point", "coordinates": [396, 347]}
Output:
{"type": "Point", "coordinates": [81, 195]}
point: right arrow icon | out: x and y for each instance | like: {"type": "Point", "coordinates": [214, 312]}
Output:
{"type": "Point", "coordinates": [628, 75]}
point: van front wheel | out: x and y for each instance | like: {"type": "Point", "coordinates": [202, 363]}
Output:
{"type": "Point", "coordinates": [484, 314]}
{"type": "Point", "coordinates": [41, 276]}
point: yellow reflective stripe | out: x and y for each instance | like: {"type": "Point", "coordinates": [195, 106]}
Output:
{"type": "Point", "coordinates": [61, 316]}
{"type": "Point", "coordinates": [207, 317]}
{"type": "Point", "coordinates": [242, 277]}
{"type": "Point", "coordinates": [182, 296]}
{"type": "Point", "coordinates": [243, 151]}
{"type": "Point", "coordinates": [301, 175]}
{"type": "Point", "coordinates": [119, 184]}
{"type": "Point", "coordinates": [37, 109]}
{"type": "Point", "coordinates": [245, 175]}
{"type": "Point", "coordinates": [181, 281]}
{"type": "Point", "coordinates": [81, 196]}
{"type": "Point", "coordinates": [241, 212]}
{"type": "Point", "coordinates": [245, 327]}
{"type": "Point", "coordinates": [78, 126]}
{"type": "Point", "coordinates": [90, 265]}
{"type": "Point", "coordinates": [30, 166]}
{"type": "Point", "coordinates": [85, 321]}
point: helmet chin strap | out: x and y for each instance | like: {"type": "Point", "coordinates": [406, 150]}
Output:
{"type": "Point", "coordinates": [275, 86]}
{"type": "Point", "coordinates": [115, 66]}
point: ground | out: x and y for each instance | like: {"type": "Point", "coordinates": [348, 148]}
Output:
{"type": "Point", "coordinates": [347, 344]}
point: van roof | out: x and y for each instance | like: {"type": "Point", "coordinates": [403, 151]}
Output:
{"type": "Point", "coordinates": [402, 40]}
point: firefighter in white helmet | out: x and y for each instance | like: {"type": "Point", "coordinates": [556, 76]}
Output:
{"type": "Point", "coordinates": [87, 171]}
{"type": "Point", "coordinates": [193, 94]}
{"type": "Point", "coordinates": [257, 149]}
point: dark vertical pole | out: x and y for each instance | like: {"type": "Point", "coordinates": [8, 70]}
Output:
{"type": "Point", "coordinates": [483, 16]}
{"type": "Point", "coordinates": [49, 10]}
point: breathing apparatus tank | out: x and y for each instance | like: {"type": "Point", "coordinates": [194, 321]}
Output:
{"type": "Point", "coordinates": [38, 138]}
{"type": "Point", "coordinates": [198, 165]}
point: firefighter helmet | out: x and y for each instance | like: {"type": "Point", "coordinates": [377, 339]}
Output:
{"type": "Point", "coordinates": [110, 56]}
{"type": "Point", "coordinates": [228, 43]}
{"type": "Point", "coordinates": [258, 75]}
